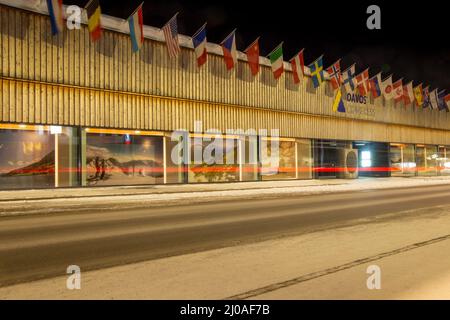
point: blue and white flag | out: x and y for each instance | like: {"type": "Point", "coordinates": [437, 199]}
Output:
{"type": "Point", "coordinates": [434, 99]}
{"type": "Point", "coordinates": [55, 10]}
{"type": "Point", "coordinates": [136, 23]}
{"type": "Point", "coordinates": [348, 77]}
{"type": "Point", "coordinates": [199, 43]}
{"type": "Point", "coordinates": [441, 101]}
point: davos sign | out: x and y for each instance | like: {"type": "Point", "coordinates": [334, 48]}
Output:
{"type": "Point", "coordinates": [360, 107]}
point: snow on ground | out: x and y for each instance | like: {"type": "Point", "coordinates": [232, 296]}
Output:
{"type": "Point", "coordinates": [216, 274]}
{"type": "Point", "coordinates": [12, 202]}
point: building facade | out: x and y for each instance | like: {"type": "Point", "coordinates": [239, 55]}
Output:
{"type": "Point", "coordinates": [77, 113]}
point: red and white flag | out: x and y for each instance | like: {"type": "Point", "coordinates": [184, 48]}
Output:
{"type": "Point", "coordinates": [408, 93]}
{"type": "Point", "coordinates": [447, 101]}
{"type": "Point", "coordinates": [298, 66]}
{"type": "Point", "coordinates": [171, 35]}
{"type": "Point", "coordinates": [334, 72]}
{"type": "Point", "coordinates": [398, 90]}
{"type": "Point", "coordinates": [387, 89]}
{"type": "Point", "coordinates": [199, 41]}
{"type": "Point", "coordinates": [362, 82]}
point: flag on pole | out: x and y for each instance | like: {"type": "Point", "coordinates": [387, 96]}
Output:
{"type": "Point", "coordinates": [55, 10]}
{"type": "Point", "coordinates": [316, 69]}
{"type": "Point", "coordinates": [252, 53]}
{"type": "Point", "coordinates": [362, 82]}
{"type": "Point", "coordinates": [276, 60]}
{"type": "Point", "coordinates": [136, 23]}
{"type": "Point", "coordinates": [94, 14]}
{"type": "Point", "coordinates": [447, 101]}
{"type": "Point", "coordinates": [338, 105]}
{"type": "Point", "coordinates": [426, 97]}
{"type": "Point", "coordinates": [441, 100]}
{"type": "Point", "coordinates": [375, 86]}
{"type": "Point", "coordinates": [418, 95]}
{"type": "Point", "coordinates": [170, 30]}
{"type": "Point", "coordinates": [199, 41]}
{"type": "Point", "coordinates": [408, 93]}
{"type": "Point", "coordinates": [298, 66]}
{"type": "Point", "coordinates": [229, 50]}
{"type": "Point", "coordinates": [348, 79]}
{"type": "Point", "coordinates": [434, 99]}
{"type": "Point", "coordinates": [397, 87]}
{"type": "Point", "coordinates": [388, 91]}
{"type": "Point", "coordinates": [334, 72]}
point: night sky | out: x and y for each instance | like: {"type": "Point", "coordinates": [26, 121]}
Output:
{"type": "Point", "coordinates": [413, 44]}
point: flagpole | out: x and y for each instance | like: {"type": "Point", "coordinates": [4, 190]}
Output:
{"type": "Point", "coordinates": [390, 76]}
{"type": "Point", "coordinates": [200, 29]}
{"type": "Point", "coordinates": [298, 53]}
{"type": "Point", "coordinates": [174, 16]}
{"type": "Point", "coordinates": [353, 65]}
{"type": "Point", "coordinates": [228, 36]}
{"type": "Point", "coordinates": [251, 45]}
{"type": "Point", "coordinates": [89, 2]}
{"type": "Point", "coordinates": [321, 56]}
{"type": "Point", "coordinates": [281, 44]}
{"type": "Point", "coordinates": [135, 10]}
{"type": "Point", "coordinates": [339, 60]}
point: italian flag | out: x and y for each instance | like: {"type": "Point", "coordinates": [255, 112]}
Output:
{"type": "Point", "coordinates": [276, 59]}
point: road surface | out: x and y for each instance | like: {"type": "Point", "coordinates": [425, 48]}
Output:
{"type": "Point", "coordinates": [37, 247]}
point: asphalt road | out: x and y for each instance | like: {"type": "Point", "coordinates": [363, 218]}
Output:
{"type": "Point", "coordinates": [36, 247]}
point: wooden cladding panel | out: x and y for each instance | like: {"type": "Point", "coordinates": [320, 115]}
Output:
{"type": "Point", "coordinates": [29, 51]}
{"type": "Point", "coordinates": [37, 103]}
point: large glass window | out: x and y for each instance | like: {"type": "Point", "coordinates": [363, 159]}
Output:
{"type": "Point", "coordinates": [27, 157]}
{"type": "Point", "coordinates": [38, 156]}
{"type": "Point", "coordinates": [249, 158]}
{"type": "Point", "coordinates": [214, 158]}
{"type": "Point", "coordinates": [444, 161]}
{"type": "Point", "coordinates": [67, 151]}
{"type": "Point", "coordinates": [278, 159]}
{"type": "Point", "coordinates": [402, 159]}
{"type": "Point", "coordinates": [426, 159]}
{"type": "Point", "coordinates": [304, 159]}
{"type": "Point", "coordinates": [176, 169]}
{"type": "Point", "coordinates": [114, 157]}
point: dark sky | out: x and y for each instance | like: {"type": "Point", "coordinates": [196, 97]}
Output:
{"type": "Point", "coordinates": [414, 42]}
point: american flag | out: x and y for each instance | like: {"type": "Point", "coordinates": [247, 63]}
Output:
{"type": "Point", "coordinates": [171, 35]}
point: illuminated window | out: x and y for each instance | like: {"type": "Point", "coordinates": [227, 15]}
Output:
{"type": "Point", "coordinates": [366, 159]}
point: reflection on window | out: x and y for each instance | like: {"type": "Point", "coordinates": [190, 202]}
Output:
{"type": "Point", "coordinates": [402, 158]}
{"type": "Point", "coordinates": [123, 159]}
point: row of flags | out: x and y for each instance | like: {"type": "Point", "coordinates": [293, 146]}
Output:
{"type": "Point", "coordinates": [170, 30]}
{"type": "Point", "coordinates": [397, 91]}
{"type": "Point", "coordinates": [360, 83]}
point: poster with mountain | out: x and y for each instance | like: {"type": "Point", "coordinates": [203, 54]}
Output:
{"type": "Point", "coordinates": [27, 159]}
{"type": "Point", "coordinates": [124, 159]}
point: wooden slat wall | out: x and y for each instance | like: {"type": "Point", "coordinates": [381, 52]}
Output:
{"type": "Point", "coordinates": [67, 80]}
{"type": "Point", "coordinates": [38, 103]}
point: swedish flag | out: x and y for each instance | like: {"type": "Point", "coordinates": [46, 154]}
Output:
{"type": "Point", "coordinates": [316, 69]}
{"type": "Point", "coordinates": [338, 105]}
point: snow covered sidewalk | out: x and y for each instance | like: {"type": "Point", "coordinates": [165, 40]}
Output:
{"type": "Point", "coordinates": [110, 198]}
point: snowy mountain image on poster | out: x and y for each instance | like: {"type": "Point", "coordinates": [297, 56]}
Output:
{"type": "Point", "coordinates": [27, 159]}
{"type": "Point", "coordinates": [123, 159]}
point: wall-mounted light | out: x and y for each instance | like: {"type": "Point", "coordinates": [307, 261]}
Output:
{"type": "Point", "coordinates": [55, 129]}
